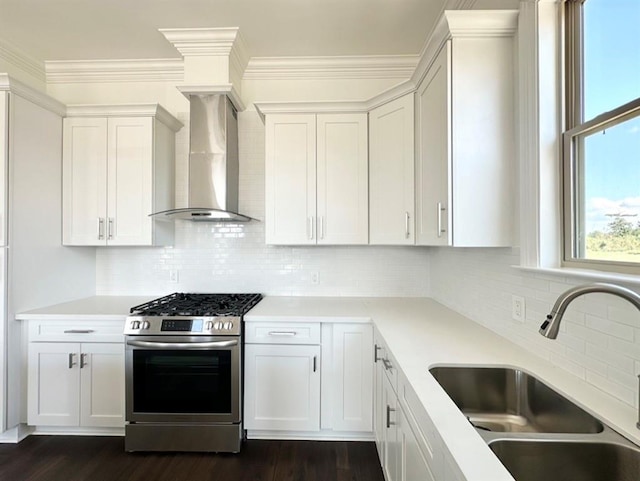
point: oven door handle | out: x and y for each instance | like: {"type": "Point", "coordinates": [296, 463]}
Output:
{"type": "Point", "coordinates": [182, 345]}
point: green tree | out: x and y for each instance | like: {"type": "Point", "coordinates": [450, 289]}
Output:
{"type": "Point", "coordinates": [619, 227]}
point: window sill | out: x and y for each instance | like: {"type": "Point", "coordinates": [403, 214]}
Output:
{"type": "Point", "coordinates": [588, 274]}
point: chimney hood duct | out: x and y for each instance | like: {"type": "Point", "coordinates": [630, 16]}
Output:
{"type": "Point", "coordinates": [213, 163]}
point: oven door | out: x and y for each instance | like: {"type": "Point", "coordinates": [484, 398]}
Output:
{"type": "Point", "coordinates": [183, 379]}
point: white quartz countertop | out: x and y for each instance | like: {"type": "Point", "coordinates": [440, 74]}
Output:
{"type": "Point", "coordinates": [310, 309]}
{"type": "Point", "coordinates": [96, 308]}
{"type": "Point", "coordinates": [422, 333]}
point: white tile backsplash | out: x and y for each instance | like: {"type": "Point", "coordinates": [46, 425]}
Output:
{"type": "Point", "coordinates": [599, 338]}
{"type": "Point", "coordinates": [234, 258]}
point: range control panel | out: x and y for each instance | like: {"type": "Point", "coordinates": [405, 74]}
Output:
{"type": "Point", "coordinates": [176, 326]}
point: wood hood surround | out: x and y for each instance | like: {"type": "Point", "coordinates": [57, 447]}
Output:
{"type": "Point", "coordinates": [214, 60]}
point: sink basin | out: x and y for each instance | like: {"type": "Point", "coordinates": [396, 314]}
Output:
{"type": "Point", "coordinates": [511, 400]}
{"type": "Point", "coordinates": [568, 461]}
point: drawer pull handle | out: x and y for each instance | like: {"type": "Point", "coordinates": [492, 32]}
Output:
{"type": "Point", "coordinates": [79, 331]}
{"type": "Point", "coordinates": [283, 333]}
{"type": "Point", "coordinates": [71, 361]}
{"type": "Point", "coordinates": [375, 353]}
{"type": "Point", "coordinates": [389, 411]}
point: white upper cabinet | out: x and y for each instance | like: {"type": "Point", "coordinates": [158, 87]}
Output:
{"type": "Point", "coordinates": [290, 179]}
{"type": "Point", "coordinates": [342, 197]}
{"type": "Point", "coordinates": [391, 172]}
{"type": "Point", "coordinates": [116, 171]}
{"type": "Point", "coordinates": [316, 179]}
{"type": "Point", "coordinates": [465, 128]}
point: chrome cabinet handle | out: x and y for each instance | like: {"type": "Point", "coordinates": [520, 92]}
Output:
{"type": "Point", "coordinates": [441, 209]}
{"type": "Point", "coordinates": [79, 331]}
{"type": "Point", "coordinates": [321, 230]}
{"type": "Point", "coordinates": [311, 228]}
{"type": "Point", "coordinates": [376, 348]}
{"type": "Point", "coordinates": [315, 363]}
{"type": "Point", "coordinates": [71, 361]}
{"type": "Point", "coordinates": [389, 411]}
{"type": "Point", "coordinates": [387, 364]}
{"type": "Point", "coordinates": [283, 333]}
{"type": "Point", "coordinates": [110, 228]}
{"type": "Point", "coordinates": [100, 228]}
{"type": "Point", "coordinates": [406, 225]}
{"type": "Point", "coordinates": [83, 360]}
{"type": "Point", "coordinates": [182, 345]}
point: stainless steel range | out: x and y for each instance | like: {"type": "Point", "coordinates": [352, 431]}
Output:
{"type": "Point", "coordinates": [184, 373]}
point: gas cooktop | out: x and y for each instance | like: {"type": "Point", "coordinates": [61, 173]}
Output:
{"type": "Point", "coordinates": [181, 314]}
{"type": "Point", "coordinates": [205, 305]}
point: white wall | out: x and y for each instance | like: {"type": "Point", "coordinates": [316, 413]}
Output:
{"type": "Point", "coordinates": [599, 340]}
{"type": "Point", "coordinates": [214, 258]}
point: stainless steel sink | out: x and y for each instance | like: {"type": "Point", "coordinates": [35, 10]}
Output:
{"type": "Point", "coordinates": [510, 400]}
{"type": "Point", "coordinates": [538, 434]}
{"type": "Point", "coordinates": [568, 461]}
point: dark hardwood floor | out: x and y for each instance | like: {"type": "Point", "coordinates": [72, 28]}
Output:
{"type": "Point", "coordinates": [80, 458]}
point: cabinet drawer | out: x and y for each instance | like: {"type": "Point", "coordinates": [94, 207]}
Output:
{"type": "Point", "coordinates": [282, 333]}
{"type": "Point", "coordinates": [427, 436]}
{"type": "Point", "coordinates": [76, 331]}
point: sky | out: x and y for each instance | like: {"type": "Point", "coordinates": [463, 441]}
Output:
{"type": "Point", "coordinates": [612, 78]}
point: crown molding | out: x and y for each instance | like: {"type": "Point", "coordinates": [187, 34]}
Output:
{"type": "Point", "coordinates": [16, 87]}
{"type": "Point", "coordinates": [227, 89]}
{"type": "Point", "coordinates": [22, 60]}
{"type": "Point", "coordinates": [400, 90]}
{"type": "Point", "coordinates": [346, 67]}
{"type": "Point", "coordinates": [482, 23]}
{"type": "Point", "coordinates": [316, 107]}
{"type": "Point", "coordinates": [464, 23]}
{"type": "Point", "coordinates": [126, 110]}
{"type": "Point", "coordinates": [202, 41]}
{"type": "Point", "coordinates": [126, 70]}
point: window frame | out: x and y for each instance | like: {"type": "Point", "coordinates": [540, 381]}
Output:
{"type": "Point", "coordinates": [576, 129]}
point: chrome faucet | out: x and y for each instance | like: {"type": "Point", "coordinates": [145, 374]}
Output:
{"type": "Point", "coordinates": [551, 325]}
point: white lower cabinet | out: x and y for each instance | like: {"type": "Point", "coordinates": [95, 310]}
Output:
{"type": "Point", "coordinates": [413, 463]}
{"type": "Point", "coordinates": [390, 447]}
{"type": "Point", "coordinates": [76, 384]}
{"type": "Point", "coordinates": [308, 380]}
{"type": "Point", "coordinates": [405, 438]}
{"type": "Point", "coordinates": [352, 379]}
{"type": "Point", "coordinates": [282, 388]}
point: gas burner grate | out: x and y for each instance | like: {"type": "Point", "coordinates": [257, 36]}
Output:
{"type": "Point", "coordinates": [209, 305]}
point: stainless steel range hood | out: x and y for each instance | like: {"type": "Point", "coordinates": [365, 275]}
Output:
{"type": "Point", "coordinates": [213, 163]}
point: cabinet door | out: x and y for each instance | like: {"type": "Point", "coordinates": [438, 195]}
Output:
{"type": "Point", "coordinates": [129, 180]}
{"type": "Point", "coordinates": [53, 384]}
{"type": "Point", "coordinates": [282, 387]}
{"type": "Point", "coordinates": [413, 464]}
{"type": "Point", "coordinates": [84, 163]}
{"type": "Point", "coordinates": [290, 173]}
{"type": "Point", "coordinates": [378, 404]}
{"type": "Point", "coordinates": [433, 164]}
{"type": "Point", "coordinates": [343, 181]}
{"type": "Point", "coordinates": [391, 172]}
{"type": "Point", "coordinates": [102, 399]}
{"type": "Point", "coordinates": [391, 446]}
{"type": "Point", "coordinates": [353, 375]}
{"type": "Point", "coordinates": [4, 162]}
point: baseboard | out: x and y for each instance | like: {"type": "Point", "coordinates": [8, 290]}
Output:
{"type": "Point", "coordinates": [310, 435]}
{"type": "Point", "coordinates": [77, 431]}
{"type": "Point", "coordinates": [16, 434]}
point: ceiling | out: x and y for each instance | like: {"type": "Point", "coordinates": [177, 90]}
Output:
{"type": "Point", "coordinates": [128, 29]}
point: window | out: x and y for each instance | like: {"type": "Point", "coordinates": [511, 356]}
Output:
{"type": "Point", "coordinates": [601, 151]}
